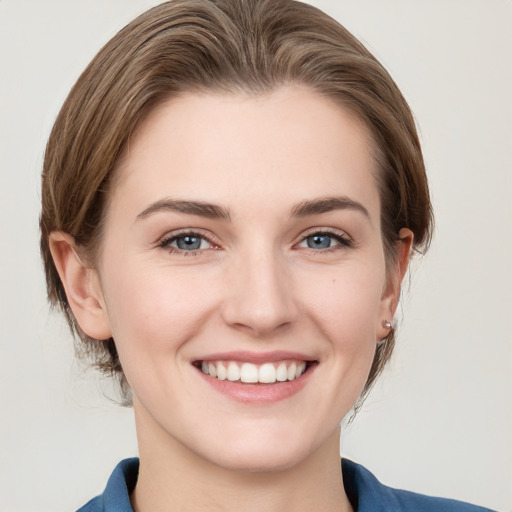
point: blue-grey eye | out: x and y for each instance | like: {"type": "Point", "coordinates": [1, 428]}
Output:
{"type": "Point", "coordinates": [189, 243]}
{"type": "Point", "coordinates": [321, 241]}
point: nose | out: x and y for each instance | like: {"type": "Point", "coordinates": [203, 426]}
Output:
{"type": "Point", "coordinates": [260, 298]}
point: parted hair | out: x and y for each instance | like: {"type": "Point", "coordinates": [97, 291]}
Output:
{"type": "Point", "coordinates": [232, 46]}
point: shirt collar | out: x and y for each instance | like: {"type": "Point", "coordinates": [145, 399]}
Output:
{"type": "Point", "coordinates": [364, 491]}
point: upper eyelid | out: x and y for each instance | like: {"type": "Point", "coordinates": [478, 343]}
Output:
{"type": "Point", "coordinates": [187, 231]}
{"type": "Point", "coordinates": [325, 231]}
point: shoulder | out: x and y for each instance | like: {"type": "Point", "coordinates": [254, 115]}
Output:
{"type": "Point", "coordinates": [116, 496]}
{"type": "Point", "coordinates": [367, 494]}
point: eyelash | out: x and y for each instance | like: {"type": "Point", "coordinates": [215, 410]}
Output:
{"type": "Point", "coordinates": [342, 239]}
{"type": "Point", "coordinates": [165, 243]}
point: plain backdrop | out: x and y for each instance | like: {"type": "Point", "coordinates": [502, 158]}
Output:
{"type": "Point", "coordinates": [440, 419]}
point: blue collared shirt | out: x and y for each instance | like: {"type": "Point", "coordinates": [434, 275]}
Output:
{"type": "Point", "coordinates": [365, 492]}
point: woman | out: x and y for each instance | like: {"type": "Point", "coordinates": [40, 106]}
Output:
{"type": "Point", "coordinates": [231, 194]}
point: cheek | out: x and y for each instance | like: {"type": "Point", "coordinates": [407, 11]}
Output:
{"type": "Point", "coordinates": [153, 309]}
{"type": "Point", "coordinates": [346, 304]}
{"type": "Point", "coordinates": [346, 309]}
{"type": "Point", "coordinates": [343, 308]}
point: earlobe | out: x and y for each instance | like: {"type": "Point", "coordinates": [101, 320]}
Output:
{"type": "Point", "coordinates": [82, 287]}
{"type": "Point", "coordinates": [396, 273]}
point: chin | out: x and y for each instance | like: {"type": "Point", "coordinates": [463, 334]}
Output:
{"type": "Point", "coordinates": [259, 461]}
{"type": "Point", "coordinates": [261, 453]}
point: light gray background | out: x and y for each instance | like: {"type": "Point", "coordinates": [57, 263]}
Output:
{"type": "Point", "coordinates": [440, 420]}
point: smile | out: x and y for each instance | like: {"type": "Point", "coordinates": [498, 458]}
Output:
{"type": "Point", "coordinates": [267, 373]}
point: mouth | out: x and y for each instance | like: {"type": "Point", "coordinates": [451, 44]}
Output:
{"type": "Point", "coordinates": [252, 373]}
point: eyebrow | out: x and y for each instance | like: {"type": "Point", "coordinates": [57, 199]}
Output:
{"type": "Point", "coordinates": [328, 204]}
{"type": "Point", "coordinates": [213, 211]}
{"type": "Point", "coordinates": [200, 208]}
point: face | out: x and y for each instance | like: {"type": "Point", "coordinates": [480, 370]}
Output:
{"type": "Point", "coordinates": [242, 274]}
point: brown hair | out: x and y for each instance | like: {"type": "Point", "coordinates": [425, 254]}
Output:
{"type": "Point", "coordinates": [248, 46]}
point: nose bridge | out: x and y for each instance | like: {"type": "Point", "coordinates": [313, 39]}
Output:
{"type": "Point", "coordinates": [261, 298]}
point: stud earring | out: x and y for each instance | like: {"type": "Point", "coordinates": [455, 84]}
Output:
{"type": "Point", "coordinates": [386, 324]}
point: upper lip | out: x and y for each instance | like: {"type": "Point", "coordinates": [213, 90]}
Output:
{"type": "Point", "coordinates": [257, 357]}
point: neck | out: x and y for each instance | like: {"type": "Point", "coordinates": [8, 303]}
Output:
{"type": "Point", "coordinates": [171, 477]}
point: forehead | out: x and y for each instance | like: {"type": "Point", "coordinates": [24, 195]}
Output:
{"type": "Point", "coordinates": [286, 145]}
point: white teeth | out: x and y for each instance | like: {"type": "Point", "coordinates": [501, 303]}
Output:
{"type": "Point", "coordinates": [292, 370]}
{"type": "Point", "coordinates": [267, 373]}
{"type": "Point", "coordinates": [233, 371]}
{"type": "Point", "coordinates": [222, 373]}
{"type": "Point", "coordinates": [282, 372]}
{"type": "Point", "coordinates": [212, 370]}
{"type": "Point", "coordinates": [249, 373]}
{"type": "Point", "coordinates": [300, 370]}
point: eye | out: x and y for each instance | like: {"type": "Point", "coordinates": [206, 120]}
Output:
{"type": "Point", "coordinates": [187, 242]}
{"type": "Point", "coordinates": [325, 240]}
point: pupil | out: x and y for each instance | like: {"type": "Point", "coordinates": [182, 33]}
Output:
{"type": "Point", "coordinates": [188, 242]}
{"type": "Point", "coordinates": [319, 241]}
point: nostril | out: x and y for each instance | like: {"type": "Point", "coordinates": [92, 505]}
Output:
{"type": "Point", "coordinates": [261, 302]}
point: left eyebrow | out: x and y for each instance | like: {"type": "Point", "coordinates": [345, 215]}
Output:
{"type": "Point", "coordinates": [200, 208]}
{"type": "Point", "coordinates": [328, 204]}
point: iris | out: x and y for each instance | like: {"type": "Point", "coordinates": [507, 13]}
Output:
{"type": "Point", "coordinates": [189, 243]}
{"type": "Point", "coordinates": [319, 241]}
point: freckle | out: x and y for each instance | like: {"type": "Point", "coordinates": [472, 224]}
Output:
{"type": "Point", "coordinates": [333, 281]}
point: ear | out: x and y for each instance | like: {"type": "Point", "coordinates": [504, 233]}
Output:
{"type": "Point", "coordinates": [82, 287]}
{"type": "Point", "coordinates": [396, 273]}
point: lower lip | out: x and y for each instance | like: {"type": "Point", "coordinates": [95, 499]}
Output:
{"type": "Point", "coordinates": [258, 393]}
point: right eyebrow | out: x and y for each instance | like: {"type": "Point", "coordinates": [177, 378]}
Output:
{"type": "Point", "coordinates": [328, 204]}
{"type": "Point", "coordinates": [200, 208]}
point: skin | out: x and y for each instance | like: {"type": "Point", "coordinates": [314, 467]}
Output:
{"type": "Point", "coordinates": [254, 285]}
